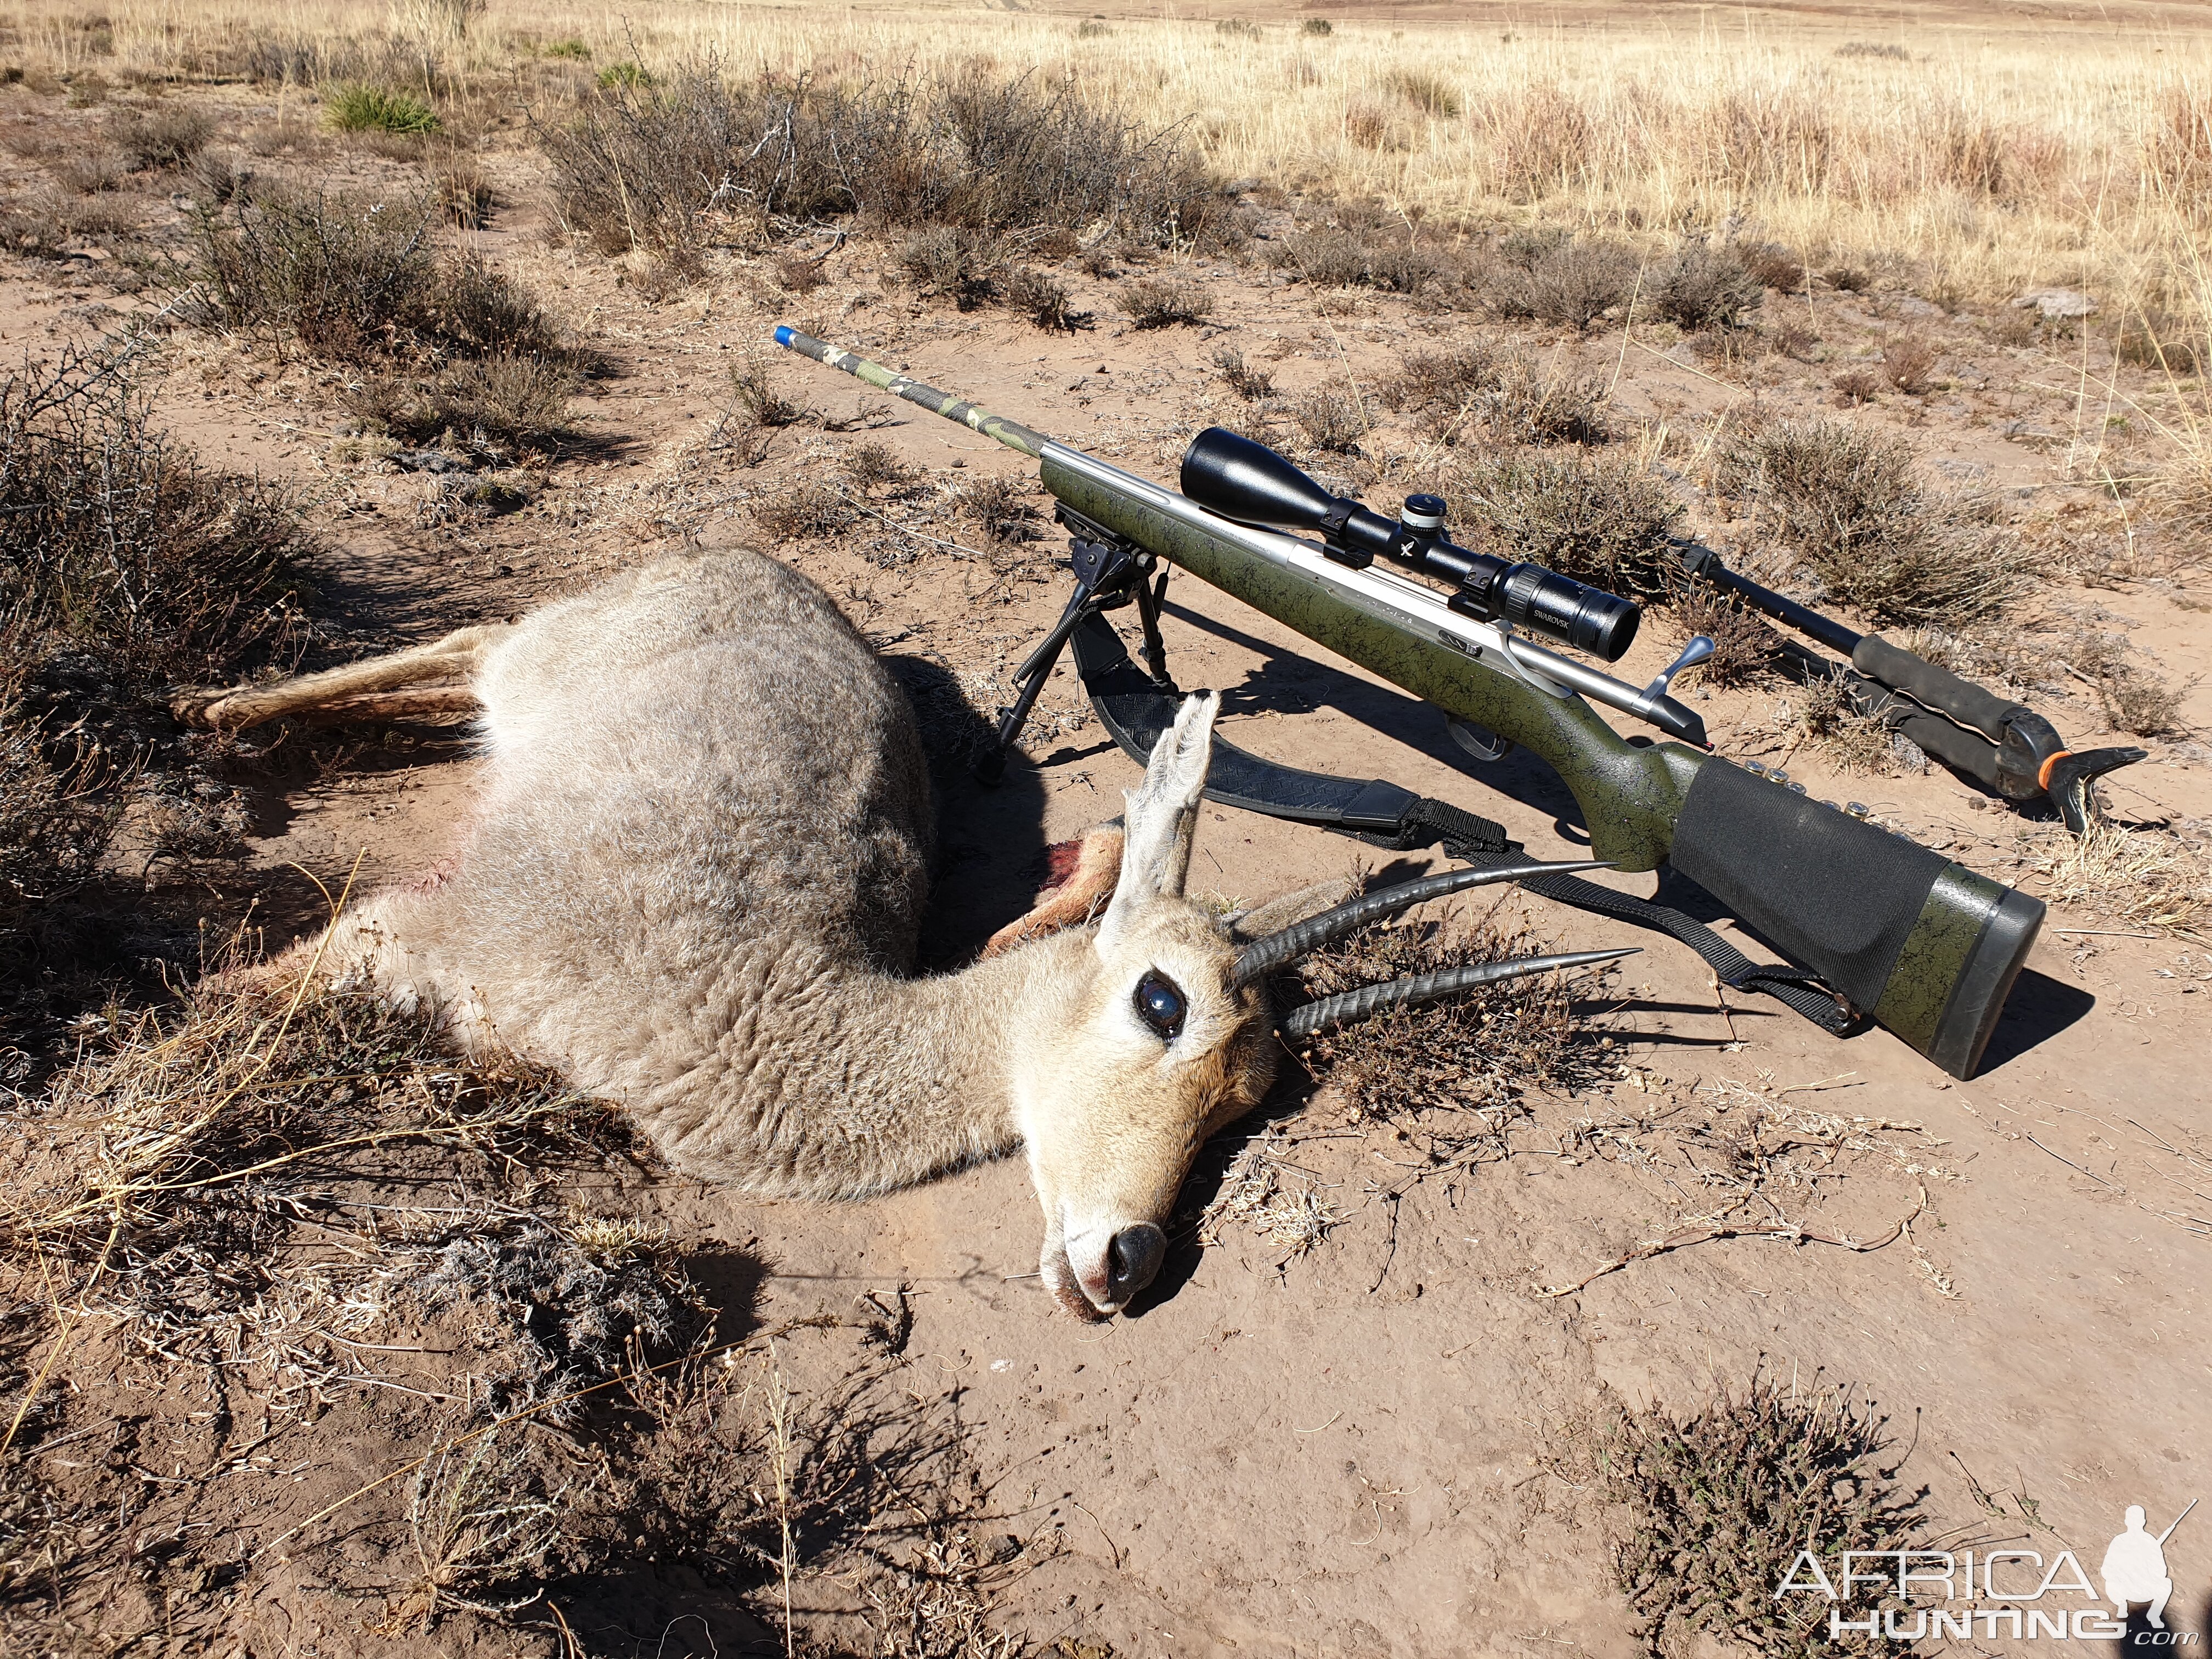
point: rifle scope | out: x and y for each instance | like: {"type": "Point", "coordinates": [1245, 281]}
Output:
{"type": "Point", "coordinates": [1251, 483]}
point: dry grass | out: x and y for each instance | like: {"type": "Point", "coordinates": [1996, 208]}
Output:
{"type": "Point", "coordinates": [1724, 1499]}
{"type": "Point", "coordinates": [1823, 714]}
{"type": "Point", "coordinates": [1481, 1050]}
{"type": "Point", "coordinates": [1744, 644]}
{"type": "Point", "coordinates": [2131, 878]}
{"type": "Point", "coordinates": [1998, 161]}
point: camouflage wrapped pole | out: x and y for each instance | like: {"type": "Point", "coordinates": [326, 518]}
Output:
{"type": "Point", "coordinates": [1016, 437]}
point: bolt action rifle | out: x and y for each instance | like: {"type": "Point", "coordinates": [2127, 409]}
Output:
{"type": "Point", "coordinates": [1886, 929]}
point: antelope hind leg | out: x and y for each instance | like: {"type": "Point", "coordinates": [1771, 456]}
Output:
{"type": "Point", "coordinates": [424, 679]}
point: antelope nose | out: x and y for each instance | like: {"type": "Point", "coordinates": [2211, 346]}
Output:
{"type": "Point", "coordinates": [1132, 1257]}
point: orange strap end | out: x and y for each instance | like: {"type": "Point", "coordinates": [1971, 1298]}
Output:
{"type": "Point", "coordinates": [2043, 773]}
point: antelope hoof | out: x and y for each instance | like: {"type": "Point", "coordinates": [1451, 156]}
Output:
{"type": "Point", "coordinates": [203, 709]}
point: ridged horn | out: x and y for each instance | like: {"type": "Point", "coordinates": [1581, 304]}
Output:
{"type": "Point", "coordinates": [1264, 956]}
{"type": "Point", "coordinates": [1370, 999]}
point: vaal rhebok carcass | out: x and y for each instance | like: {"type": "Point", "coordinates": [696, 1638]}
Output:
{"type": "Point", "coordinates": [694, 880]}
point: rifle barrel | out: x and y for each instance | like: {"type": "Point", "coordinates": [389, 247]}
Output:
{"type": "Point", "coordinates": [1024, 440]}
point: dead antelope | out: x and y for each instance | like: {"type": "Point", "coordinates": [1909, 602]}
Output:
{"type": "Point", "coordinates": [694, 881]}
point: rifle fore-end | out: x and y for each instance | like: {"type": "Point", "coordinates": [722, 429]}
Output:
{"type": "Point", "coordinates": [1630, 793]}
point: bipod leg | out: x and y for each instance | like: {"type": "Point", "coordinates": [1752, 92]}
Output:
{"type": "Point", "coordinates": [1149, 596]}
{"type": "Point", "coordinates": [1029, 679]}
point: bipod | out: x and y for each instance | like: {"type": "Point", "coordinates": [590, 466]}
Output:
{"type": "Point", "coordinates": [1110, 572]}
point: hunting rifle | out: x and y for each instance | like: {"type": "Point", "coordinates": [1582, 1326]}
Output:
{"type": "Point", "coordinates": [1889, 929]}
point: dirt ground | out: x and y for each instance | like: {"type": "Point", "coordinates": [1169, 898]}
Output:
{"type": "Point", "coordinates": [1376, 1444]}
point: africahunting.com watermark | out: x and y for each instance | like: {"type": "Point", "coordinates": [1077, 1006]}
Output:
{"type": "Point", "coordinates": [2032, 1597]}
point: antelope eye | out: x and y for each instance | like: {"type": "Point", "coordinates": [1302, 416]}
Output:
{"type": "Point", "coordinates": [1160, 1005]}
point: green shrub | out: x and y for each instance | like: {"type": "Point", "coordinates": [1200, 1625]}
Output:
{"type": "Point", "coordinates": [375, 109]}
{"type": "Point", "coordinates": [575, 49]}
{"type": "Point", "coordinates": [618, 76]}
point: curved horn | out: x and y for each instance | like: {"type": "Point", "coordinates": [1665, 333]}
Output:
{"type": "Point", "coordinates": [1264, 956]}
{"type": "Point", "coordinates": [1310, 1017]}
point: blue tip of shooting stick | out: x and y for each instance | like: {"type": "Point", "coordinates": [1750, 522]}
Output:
{"type": "Point", "coordinates": [783, 333]}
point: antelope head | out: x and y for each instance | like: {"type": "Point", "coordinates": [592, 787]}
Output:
{"type": "Point", "coordinates": [1162, 1031]}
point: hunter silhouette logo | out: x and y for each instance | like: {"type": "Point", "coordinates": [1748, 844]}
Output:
{"type": "Point", "coordinates": [2026, 1591]}
{"type": "Point", "coordinates": [2135, 1566]}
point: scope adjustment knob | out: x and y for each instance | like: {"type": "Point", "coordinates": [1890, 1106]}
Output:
{"type": "Point", "coordinates": [1423, 513]}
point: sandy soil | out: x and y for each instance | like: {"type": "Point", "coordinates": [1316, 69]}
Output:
{"type": "Point", "coordinates": [1375, 1447]}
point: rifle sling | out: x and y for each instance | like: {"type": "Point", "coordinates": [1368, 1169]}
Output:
{"type": "Point", "coordinates": [1135, 710]}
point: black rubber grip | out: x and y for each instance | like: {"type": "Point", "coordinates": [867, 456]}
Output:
{"type": "Point", "coordinates": [1932, 687]}
{"type": "Point", "coordinates": [1830, 891]}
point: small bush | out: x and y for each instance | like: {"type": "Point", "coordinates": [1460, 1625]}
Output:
{"type": "Point", "coordinates": [166, 135]}
{"type": "Point", "coordinates": [1847, 279]}
{"type": "Point", "coordinates": [1855, 387]}
{"type": "Point", "coordinates": [1004, 510]}
{"type": "Point", "coordinates": [653, 167]}
{"type": "Point", "coordinates": [1847, 502]}
{"type": "Point", "coordinates": [1565, 282]}
{"type": "Point", "coordinates": [1426, 91]}
{"type": "Point", "coordinates": [804, 511]}
{"type": "Point", "coordinates": [2141, 703]}
{"type": "Point", "coordinates": [763, 405]}
{"type": "Point", "coordinates": [1703, 286]}
{"type": "Point", "coordinates": [1441, 382]}
{"type": "Point", "coordinates": [1091, 29]}
{"type": "Point", "coordinates": [2156, 339]}
{"type": "Point", "coordinates": [1874, 49]}
{"type": "Point", "coordinates": [1602, 520]}
{"type": "Point", "coordinates": [1484, 1048]}
{"type": "Point", "coordinates": [872, 466]}
{"type": "Point", "coordinates": [571, 48]}
{"type": "Point", "coordinates": [357, 283]}
{"type": "Point", "coordinates": [1316, 26]}
{"type": "Point", "coordinates": [376, 109]}
{"type": "Point", "coordinates": [1330, 421]}
{"type": "Point", "coordinates": [87, 172]}
{"type": "Point", "coordinates": [955, 263]}
{"type": "Point", "coordinates": [1163, 301]}
{"type": "Point", "coordinates": [1237, 29]}
{"type": "Point", "coordinates": [1825, 713]}
{"type": "Point", "coordinates": [1247, 381]}
{"type": "Point", "coordinates": [464, 194]}
{"type": "Point", "coordinates": [1043, 299]}
{"type": "Point", "coordinates": [795, 275]}
{"type": "Point", "coordinates": [30, 234]}
{"type": "Point", "coordinates": [1743, 644]}
{"type": "Point", "coordinates": [1725, 1498]}
{"type": "Point", "coordinates": [1908, 363]}
{"type": "Point", "coordinates": [1773, 264]}
{"type": "Point", "coordinates": [120, 543]}
{"type": "Point", "coordinates": [623, 77]}
{"type": "Point", "coordinates": [481, 402]}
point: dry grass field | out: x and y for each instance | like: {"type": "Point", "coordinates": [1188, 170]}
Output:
{"type": "Point", "coordinates": [1562, 1315]}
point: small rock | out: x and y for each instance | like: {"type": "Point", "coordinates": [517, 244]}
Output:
{"type": "Point", "coordinates": [2057, 304]}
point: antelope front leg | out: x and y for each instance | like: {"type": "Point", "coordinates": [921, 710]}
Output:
{"type": "Point", "coordinates": [1084, 873]}
{"type": "Point", "coordinates": [424, 679]}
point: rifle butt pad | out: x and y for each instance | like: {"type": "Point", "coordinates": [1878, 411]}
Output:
{"type": "Point", "coordinates": [1926, 947]}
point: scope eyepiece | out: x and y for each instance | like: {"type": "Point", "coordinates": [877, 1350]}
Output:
{"type": "Point", "coordinates": [1249, 483]}
{"type": "Point", "coordinates": [1560, 608]}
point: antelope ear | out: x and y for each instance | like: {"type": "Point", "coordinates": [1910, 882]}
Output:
{"type": "Point", "coordinates": [1289, 909]}
{"type": "Point", "coordinates": [1162, 816]}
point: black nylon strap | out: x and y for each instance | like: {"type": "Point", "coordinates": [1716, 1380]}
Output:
{"type": "Point", "coordinates": [1478, 841]}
